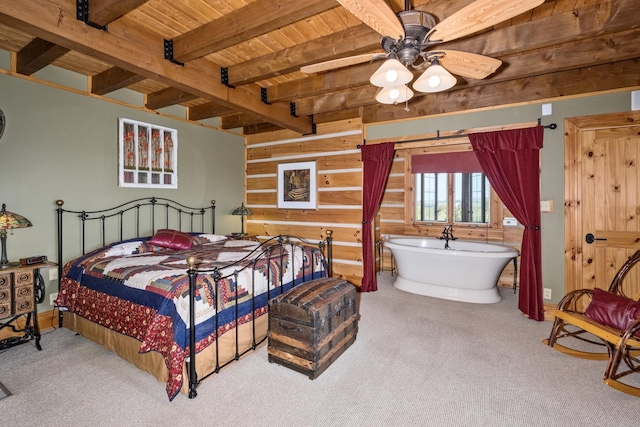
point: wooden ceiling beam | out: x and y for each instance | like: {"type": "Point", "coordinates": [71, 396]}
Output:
{"type": "Point", "coordinates": [333, 116]}
{"type": "Point", "coordinates": [103, 12]}
{"type": "Point", "coordinates": [603, 49]}
{"type": "Point", "coordinates": [353, 41]}
{"type": "Point", "coordinates": [318, 84]}
{"type": "Point", "coordinates": [113, 79]}
{"type": "Point", "coordinates": [260, 128]}
{"type": "Point", "coordinates": [251, 21]}
{"type": "Point", "coordinates": [238, 120]}
{"type": "Point", "coordinates": [166, 97]}
{"type": "Point", "coordinates": [207, 111]}
{"type": "Point", "coordinates": [608, 16]}
{"type": "Point", "coordinates": [336, 101]}
{"type": "Point", "coordinates": [136, 50]}
{"type": "Point", "coordinates": [36, 55]}
{"type": "Point", "coordinates": [606, 77]}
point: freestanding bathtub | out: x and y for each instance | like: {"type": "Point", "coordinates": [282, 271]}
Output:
{"type": "Point", "coordinates": [467, 272]}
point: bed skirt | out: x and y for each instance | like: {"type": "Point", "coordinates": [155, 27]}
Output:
{"type": "Point", "coordinates": [152, 362]}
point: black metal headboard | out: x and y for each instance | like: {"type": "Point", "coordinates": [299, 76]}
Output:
{"type": "Point", "coordinates": [137, 218]}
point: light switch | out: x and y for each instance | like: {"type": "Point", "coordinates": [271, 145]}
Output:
{"type": "Point", "coordinates": [546, 205]}
{"type": "Point", "coordinates": [509, 222]}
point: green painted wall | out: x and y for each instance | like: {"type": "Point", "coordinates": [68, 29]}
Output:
{"type": "Point", "coordinates": [63, 145]}
{"type": "Point", "coordinates": [552, 159]}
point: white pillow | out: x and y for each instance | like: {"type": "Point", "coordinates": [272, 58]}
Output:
{"type": "Point", "coordinates": [122, 249]}
{"type": "Point", "coordinates": [213, 237]}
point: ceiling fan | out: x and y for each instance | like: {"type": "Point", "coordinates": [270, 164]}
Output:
{"type": "Point", "coordinates": [408, 39]}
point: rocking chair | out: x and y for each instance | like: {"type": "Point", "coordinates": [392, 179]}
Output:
{"type": "Point", "coordinates": [598, 327]}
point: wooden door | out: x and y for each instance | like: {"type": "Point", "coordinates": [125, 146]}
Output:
{"type": "Point", "coordinates": [602, 199]}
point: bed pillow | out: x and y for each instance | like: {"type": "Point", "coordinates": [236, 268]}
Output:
{"type": "Point", "coordinates": [172, 239]}
{"type": "Point", "coordinates": [202, 239]}
{"type": "Point", "coordinates": [125, 248]}
{"type": "Point", "coordinates": [612, 310]}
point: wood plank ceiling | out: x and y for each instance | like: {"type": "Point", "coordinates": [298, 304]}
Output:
{"type": "Point", "coordinates": [239, 59]}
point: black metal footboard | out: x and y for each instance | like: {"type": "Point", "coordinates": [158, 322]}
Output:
{"type": "Point", "coordinates": [267, 252]}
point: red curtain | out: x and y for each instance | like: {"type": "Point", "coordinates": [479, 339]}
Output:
{"type": "Point", "coordinates": [511, 161]}
{"type": "Point", "coordinates": [376, 161]}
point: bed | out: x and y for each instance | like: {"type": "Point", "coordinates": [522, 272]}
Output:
{"type": "Point", "coordinates": [168, 294]}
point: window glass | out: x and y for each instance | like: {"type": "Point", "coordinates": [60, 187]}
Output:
{"type": "Point", "coordinates": [470, 198]}
{"type": "Point", "coordinates": [431, 196]}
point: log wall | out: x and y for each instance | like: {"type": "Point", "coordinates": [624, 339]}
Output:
{"type": "Point", "coordinates": [335, 150]}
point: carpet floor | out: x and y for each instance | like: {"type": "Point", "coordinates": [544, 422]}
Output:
{"type": "Point", "coordinates": [417, 361]}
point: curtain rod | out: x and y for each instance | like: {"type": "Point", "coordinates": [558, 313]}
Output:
{"type": "Point", "coordinates": [438, 137]}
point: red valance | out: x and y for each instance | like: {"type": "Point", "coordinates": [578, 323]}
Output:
{"type": "Point", "coordinates": [458, 161]}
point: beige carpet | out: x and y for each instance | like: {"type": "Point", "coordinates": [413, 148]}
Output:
{"type": "Point", "coordinates": [417, 361]}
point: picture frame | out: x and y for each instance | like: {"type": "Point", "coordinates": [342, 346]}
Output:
{"type": "Point", "coordinates": [147, 155]}
{"type": "Point", "coordinates": [297, 185]}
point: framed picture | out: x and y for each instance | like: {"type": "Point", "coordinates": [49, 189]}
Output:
{"type": "Point", "coordinates": [147, 155]}
{"type": "Point", "coordinates": [297, 188]}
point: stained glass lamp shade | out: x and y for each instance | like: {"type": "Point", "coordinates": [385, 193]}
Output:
{"type": "Point", "coordinates": [9, 221]}
{"type": "Point", "coordinates": [242, 211]}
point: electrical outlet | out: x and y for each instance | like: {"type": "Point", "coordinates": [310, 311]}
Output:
{"type": "Point", "coordinates": [546, 294]}
{"type": "Point", "coordinates": [53, 274]}
{"type": "Point", "coordinates": [52, 298]}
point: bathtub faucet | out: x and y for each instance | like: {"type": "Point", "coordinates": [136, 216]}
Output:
{"type": "Point", "coordinates": [447, 234]}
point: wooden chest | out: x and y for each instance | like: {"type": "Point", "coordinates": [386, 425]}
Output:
{"type": "Point", "coordinates": [311, 325]}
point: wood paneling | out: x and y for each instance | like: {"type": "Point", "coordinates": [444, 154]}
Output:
{"type": "Point", "coordinates": [346, 179]}
{"type": "Point", "coordinates": [339, 197]}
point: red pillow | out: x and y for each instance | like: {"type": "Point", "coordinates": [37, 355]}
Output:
{"type": "Point", "coordinates": [172, 239]}
{"type": "Point", "coordinates": [612, 310]}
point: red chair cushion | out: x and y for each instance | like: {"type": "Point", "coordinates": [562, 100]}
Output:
{"type": "Point", "coordinates": [612, 310]}
{"type": "Point", "coordinates": [172, 239]}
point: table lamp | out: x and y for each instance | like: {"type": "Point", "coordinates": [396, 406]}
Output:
{"type": "Point", "coordinates": [242, 211]}
{"type": "Point", "coordinates": [9, 221]}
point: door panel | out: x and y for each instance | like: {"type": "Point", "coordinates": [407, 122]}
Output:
{"type": "Point", "coordinates": [602, 192]}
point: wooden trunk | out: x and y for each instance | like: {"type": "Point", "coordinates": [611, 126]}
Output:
{"type": "Point", "coordinates": [311, 325]}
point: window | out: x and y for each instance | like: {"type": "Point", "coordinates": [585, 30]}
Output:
{"type": "Point", "coordinates": [452, 197]}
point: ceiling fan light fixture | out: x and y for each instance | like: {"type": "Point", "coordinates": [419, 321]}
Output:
{"type": "Point", "coordinates": [391, 74]}
{"type": "Point", "coordinates": [435, 79]}
{"type": "Point", "coordinates": [394, 95]}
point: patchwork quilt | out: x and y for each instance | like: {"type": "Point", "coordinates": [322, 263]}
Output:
{"type": "Point", "coordinates": [142, 290]}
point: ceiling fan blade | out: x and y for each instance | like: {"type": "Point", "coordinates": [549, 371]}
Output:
{"type": "Point", "coordinates": [479, 15]}
{"type": "Point", "coordinates": [376, 14]}
{"type": "Point", "coordinates": [340, 62]}
{"type": "Point", "coordinates": [467, 64]}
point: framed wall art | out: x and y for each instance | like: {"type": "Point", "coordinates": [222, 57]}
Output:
{"type": "Point", "coordinates": [147, 156]}
{"type": "Point", "coordinates": [297, 185]}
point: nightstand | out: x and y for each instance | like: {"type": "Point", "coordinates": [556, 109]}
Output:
{"type": "Point", "coordinates": [21, 290]}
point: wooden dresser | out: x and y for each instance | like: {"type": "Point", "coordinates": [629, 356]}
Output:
{"type": "Point", "coordinates": [21, 289]}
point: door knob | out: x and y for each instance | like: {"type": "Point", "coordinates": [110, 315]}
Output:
{"type": "Point", "coordinates": [590, 238]}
